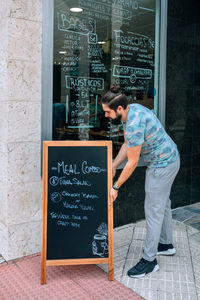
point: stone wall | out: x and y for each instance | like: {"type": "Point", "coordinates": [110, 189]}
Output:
{"type": "Point", "coordinates": [20, 127]}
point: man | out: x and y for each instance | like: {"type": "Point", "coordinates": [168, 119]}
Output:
{"type": "Point", "coordinates": [145, 135]}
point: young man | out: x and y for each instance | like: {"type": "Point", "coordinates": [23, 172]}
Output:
{"type": "Point", "coordinates": [145, 135]}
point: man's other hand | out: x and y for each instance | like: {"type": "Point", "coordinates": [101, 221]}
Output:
{"type": "Point", "coordinates": [113, 195]}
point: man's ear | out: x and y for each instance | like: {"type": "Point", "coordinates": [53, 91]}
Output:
{"type": "Point", "coordinates": [120, 108]}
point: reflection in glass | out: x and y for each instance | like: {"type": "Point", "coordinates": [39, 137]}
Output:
{"type": "Point", "coordinates": [108, 42]}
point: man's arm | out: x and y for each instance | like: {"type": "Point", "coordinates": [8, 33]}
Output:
{"type": "Point", "coordinates": [133, 155]}
{"type": "Point", "coordinates": [121, 156]}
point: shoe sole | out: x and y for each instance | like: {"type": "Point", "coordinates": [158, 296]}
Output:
{"type": "Point", "coordinates": [156, 268]}
{"type": "Point", "coordinates": [167, 252]}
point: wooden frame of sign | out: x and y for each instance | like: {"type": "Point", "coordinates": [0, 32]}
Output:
{"type": "Point", "coordinates": [67, 146]}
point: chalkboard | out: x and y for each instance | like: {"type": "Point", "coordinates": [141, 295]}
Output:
{"type": "Point", "coordinates": [77, 213]}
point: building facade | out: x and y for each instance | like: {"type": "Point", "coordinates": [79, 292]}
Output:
{"type": "Point", "coordinates": [20, 115]}
{"type": "Point", "coordinates": [56, 63]}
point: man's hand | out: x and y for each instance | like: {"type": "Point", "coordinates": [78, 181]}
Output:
{"type": "Point", "coordinates": [113, 195]}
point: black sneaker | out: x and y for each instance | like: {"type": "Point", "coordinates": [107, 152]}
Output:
{"type": "Point", "coordinates": [143, 267]}
{"type": "Point", "coordinates": [166, 249]}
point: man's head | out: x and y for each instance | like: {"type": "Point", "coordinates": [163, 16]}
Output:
{"type": "Point", "coordinates": [114, 103]}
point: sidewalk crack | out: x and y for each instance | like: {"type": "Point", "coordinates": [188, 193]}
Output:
{"type": "Point", "coordinates": [193, 271]}
{"type": "Point", "coordinates": [85, 290]}
{"type": "Point", "coordinates": [127, 254]}
{"type": "Point", "coordinates": [2, 260]}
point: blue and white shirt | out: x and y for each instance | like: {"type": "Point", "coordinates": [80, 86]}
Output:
{"type": "Point", "coordinates": [143, 128]}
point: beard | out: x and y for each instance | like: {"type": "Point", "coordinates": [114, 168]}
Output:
{"type": "Point", "coordinates": [117, 120]}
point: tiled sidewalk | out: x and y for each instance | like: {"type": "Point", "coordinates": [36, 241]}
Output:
{"type": "Point", "coordinates": [20, 280]}
{"type": "Point", "coordinates": [179, 275]}
{"type": "Point", "coordinates": [189, 215]}
{"type": "Point", "coordinates": [177, 279]}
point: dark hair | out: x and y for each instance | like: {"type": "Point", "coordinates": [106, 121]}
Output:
{"type": "Point", "coordinates": [115, 97]}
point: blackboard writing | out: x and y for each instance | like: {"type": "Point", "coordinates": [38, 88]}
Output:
{"type": "Point", "coordinates": [77, 218]}
{"type": "Point", "coordinates": [84, 168]}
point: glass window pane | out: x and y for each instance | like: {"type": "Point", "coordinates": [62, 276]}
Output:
{"type": "Point", "coordinates": [107, 42]}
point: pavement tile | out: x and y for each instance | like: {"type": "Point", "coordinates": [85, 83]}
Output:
{"type": "Point", "coordinates": [126, 226]}
{"type": "Point", "coordinates": [15, 285]}
{"type": "Point", "coordinates": [139, 233]}
{"type": "Point", "coordinates": [148, 294]}
{"type": "Point", "coordinates": [21, 281]}
{"type": "Point", "coordinates": [2, 260]}
{"type": "Point", "coordinates": [179, 232]}
{"type": "Point", "coordinates": [191, 230]}
{"type": "Point", "coordinates": [120, 253]}
{"type": "Point", "coordinates": [195, 250]}
{"type": "Point", "coordinates": [116, 291]}
{"type": "Point", "coordinates": [195, 255]}
{"type": "Point", "coordinates": [180, 240]}
{"type": "Point", "coordinates": [181, 214]}
{"type": "Point", "coordinates": [136, 243]}
{"type": "Point", "coordinates": [195, 205]}
{"type": "Point", "coordinates": [123, 237]}
{"type": "Point", "coordinates": [178, 277]}
{"type": "Point", "coordinates": [193, 209]}
{"type": "Point", "coordinates": [183, 252]}
{"type": "Point", "coordinates": [194, 218]}
{"type": "Point", "coordinates": [141, 223]}
{"type": "Point", "coordinates": [175, 296]}
{"type": "Point", "coordinates": [189, 215]}
{"type": "Point", "coordinates": [195, 225]}
{"type": "Point", "coordinates": [197, 280]}
{"type": "Point", "coordinates": [175, 279]}
{"type": "Point", "coordinates": [196, 237]}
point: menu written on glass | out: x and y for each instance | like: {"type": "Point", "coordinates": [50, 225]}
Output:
{"type": "Point", "coordinates": [77, 225]}
{"type": "Point", "coordinates": [109, 42]}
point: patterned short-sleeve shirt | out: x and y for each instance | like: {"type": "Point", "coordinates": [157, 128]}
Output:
{"type": "Point", "coordinates": [143, 128]}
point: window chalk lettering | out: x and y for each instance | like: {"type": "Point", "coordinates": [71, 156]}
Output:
{"type": "Point", "coordinates": [79, 25]}
{"type": "Point", "coordinates": [133, 39]}
{"type": "Point", "coordinates": [74, 82]}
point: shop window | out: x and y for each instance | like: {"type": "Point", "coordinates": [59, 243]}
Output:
{"type": "Point", "coordinates": [104, 43]}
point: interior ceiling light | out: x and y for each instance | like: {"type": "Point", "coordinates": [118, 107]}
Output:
{"type": "Point", "coordinates": [76, 9]}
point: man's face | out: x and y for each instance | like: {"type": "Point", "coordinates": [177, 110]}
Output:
{"type": "Point", "coordinates": [115, 117]}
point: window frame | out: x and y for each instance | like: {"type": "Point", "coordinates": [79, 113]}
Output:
{"type": "Point", "coordinates": [47, 66]}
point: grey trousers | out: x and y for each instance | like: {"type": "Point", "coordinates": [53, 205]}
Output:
{"type": "Point", "coordinates": [157, 207]}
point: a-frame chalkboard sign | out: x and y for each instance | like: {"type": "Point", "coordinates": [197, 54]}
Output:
{"type": "Point", "coordinates": [77, 215]}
